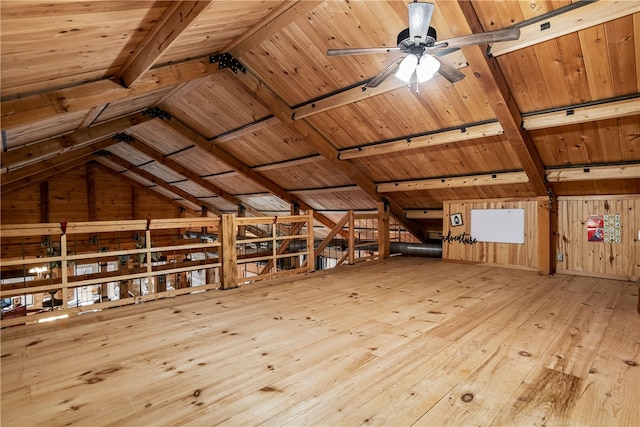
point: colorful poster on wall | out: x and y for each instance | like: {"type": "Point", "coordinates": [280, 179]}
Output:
{"type": "Point", "coordinates": [595, 228]}
{"type": "Point", "coordinates": [604, 228]}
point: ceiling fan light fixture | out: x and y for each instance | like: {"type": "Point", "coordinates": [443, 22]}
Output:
{"type": "Point", "coordinates": [407, 67]}
{"type": "Point", "coordinates": [427, 68]}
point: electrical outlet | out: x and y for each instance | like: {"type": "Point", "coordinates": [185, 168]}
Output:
{"type": "Point", "coordinates": [560, 257]}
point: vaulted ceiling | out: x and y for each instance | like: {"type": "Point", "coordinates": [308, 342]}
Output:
{"type": "Point", "coordinates": [220, 104]}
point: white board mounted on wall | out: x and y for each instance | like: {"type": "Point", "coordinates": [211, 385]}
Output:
{"type": "Point", "coordinates": [498, 225]}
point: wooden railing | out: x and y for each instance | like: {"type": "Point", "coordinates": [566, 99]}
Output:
{"type": "Point", "coordinates": [144, 260]}
{"type": "Point", "coordinates": [367, 236]}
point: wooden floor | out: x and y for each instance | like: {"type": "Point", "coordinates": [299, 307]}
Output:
{"type": "Point", "coordinates": [408, 341]}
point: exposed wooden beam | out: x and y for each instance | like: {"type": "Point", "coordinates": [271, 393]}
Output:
{"type": "Point", "coordinates": [288, 163]}
{"type": "Point", "coordinates": [361, 92]}
{"type": "Point", "coordinates": [592, 173]}
{"type": "Point", "coordinates": [135, 185]}
{"type": "Point", "coordinates": [424, 213]}
{"type": "Point", "coordinates": [455, 182]}
{"type": "Point", "coordinates": [92, 116]}
{"type": "Point", "coordinates": [243, 169]}
{"type": "Point", "coordinates": [329, 190]}
{"type": "Point", "coordinates": [436, 138]}
{"type": "Point", "coordinates": [45, 174]}
{"type": "Point", "coordinates": [66, 142]}
{"type": "Point", "coordinates": [130, 167]}
{"type": "Point", "coordinates": [498, 94]}
{"type": "Point", "coordinates": [55, 160]}
{"type": "Point", "coordinates": [589, 15]}
{"type": "Point", "coordinates": [192, 176]}
{"type": "Point", "coordinates": [270, 100]}
{"type": "Point", "coordinates": [244, 130]}
{"type": "Point", "coordinates": [547, 221]}
{"type": "Point", "coordinates": [280, 17]}
{"type": "Point", "coordinates": [173, 22]}
{"type": "Point", "coordinates": [27, 109]}
{"type": "Point", "coordinates": [575, 115]}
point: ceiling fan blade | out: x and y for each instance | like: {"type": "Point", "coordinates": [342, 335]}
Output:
{"type": "Point", "coordinates": [481, 38]}
{"type": "Point", "coordinates": [382, 75]}
{"type": "Point", "coordinates": [449, 72]}
{"type": "Point", "coordinates": [419, 19]}
{"type": "Point", "coordinates": [361, 51]}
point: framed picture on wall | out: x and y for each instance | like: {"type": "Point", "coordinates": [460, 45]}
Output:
{"type": "Point", "coordinates": [456, 219]}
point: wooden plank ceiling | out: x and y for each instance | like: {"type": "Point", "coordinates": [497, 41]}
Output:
{"type": "Point", "coordinates": [555, 112]}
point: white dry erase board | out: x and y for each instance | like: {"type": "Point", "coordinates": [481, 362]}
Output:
{"type": "Point", "coordinates": [498, 225]}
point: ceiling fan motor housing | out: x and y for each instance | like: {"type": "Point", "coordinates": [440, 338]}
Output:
{"type": "Point", "coordinates": [405, 42]}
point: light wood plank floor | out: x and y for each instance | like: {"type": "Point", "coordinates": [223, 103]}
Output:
{"type": "Point", "coordinates": [407, 341]}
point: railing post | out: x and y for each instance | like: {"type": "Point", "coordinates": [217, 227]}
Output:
{"type": "Point", "coordinates": [228, 257]}
{"type": "Point", "coordinates": [384, 247]}
{"type": "Point", "coordinates": [311, 257]}
{"type": "Point", "coordinates": [64, 273]}
{"type": "Point", "coordinates": [150, 283]}
{"type": "Point", "coordinates": [352, 237]}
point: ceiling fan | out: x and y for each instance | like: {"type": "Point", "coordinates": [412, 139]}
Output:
{"type": "Point", "coordinates": [420, 43]}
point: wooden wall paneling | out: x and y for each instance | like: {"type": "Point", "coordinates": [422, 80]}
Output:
{"type": "Point", "coordinates": [22, 206]}
{"type": "Point", "coordinates": [68, 196]}
{"type": "Point", "coordinates": [110, 203]}
{"type": "Point", "coordinates": [599, 259]}
{"type": "Point", "coordinates": [510, 255]}
{"type": "Point", "coordinates": [165, 200]}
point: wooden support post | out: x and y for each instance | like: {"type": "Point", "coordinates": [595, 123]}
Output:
{"type": "Point", "coordinates": [384, 247]}
{"type": "Point", "coordinates": [547, 218]}
{"type": "Point", "coordinates": [311, 257]}
{"type": "Point", "coordinates": [64, 272]}
{"type": "Point", "coordinates": [229, 273]}
{"type": "Point", "coordinates": [150, 284]}
{"type": "Point", "coordinates": [242, 212]}
{"type": "Point", "coordinates": [352, 237]}
{"type": "Point", "coordinates": [293, 262]}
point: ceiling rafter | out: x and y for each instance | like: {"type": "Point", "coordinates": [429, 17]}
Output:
{"type": "Point", "coordinates": [270, 100]}
{"type": "Point", "coordinates": [496, 90]}
{"type": "Point", "coordinates": [463, 133]}
{"type": "Point", "coordinates": [66, 142]}
{"type": "Point", "coordinates": [30, 108]}
{"type": "Point", "coordinates": [562, 116]}
{"type": "Point", "coordinates": [130, 167]}
{"type": "Point", "coordinates": [177, 167]}
{"type": "Point", "coordinates": [497, 178]}
{"type": "Point", "coordinates": [591, 173]}
{"type": "Point", "coordinates": [582, 114]}
{"type": "Point", "coordinates": [243, 169]}
{"type": "Point", "coordinates": [245, 130]}
{"type": "Point", "coordinates": [586, 16]}
{"type": "Point", "coordinates": [192, 176]}
{"type": "Point", "coordinates": [69, 156]}
{"type": "Point", "coordinates": [173, 22]}
{"type": "Point", "coordinates": [45, 174]}
{"type": "Point", "coordinates": [132, 182]}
